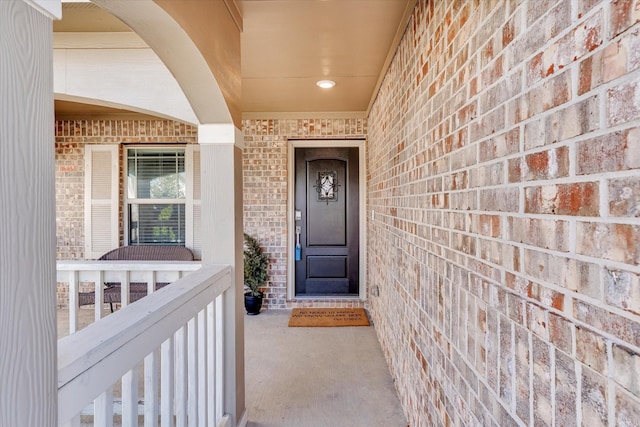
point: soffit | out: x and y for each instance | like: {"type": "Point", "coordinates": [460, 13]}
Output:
{"type": "Point", "coordinates": [287, 45]}
{"type": "Point", "coordinates": [69, 110]}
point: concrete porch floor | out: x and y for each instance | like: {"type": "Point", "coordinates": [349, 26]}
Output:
{"type": "Point", "coordinates": [316, 377]}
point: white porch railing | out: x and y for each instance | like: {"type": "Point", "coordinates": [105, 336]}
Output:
{"type": "Point", "coordinates": [174, 334]}
{"type": "Point", "coordinates": [124, 272]}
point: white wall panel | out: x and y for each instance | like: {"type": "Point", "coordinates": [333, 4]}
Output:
{"type": "Point", "coordinates": [135, 79]}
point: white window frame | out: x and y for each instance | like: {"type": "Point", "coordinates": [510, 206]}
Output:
{"type": "Point", "coordinates": [187, 200]}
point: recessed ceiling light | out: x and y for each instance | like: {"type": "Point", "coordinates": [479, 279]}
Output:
{"type": "Point", "coordinates": [326, 84]}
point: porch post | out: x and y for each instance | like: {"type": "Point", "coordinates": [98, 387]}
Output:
{"type": "Point", "coordinates": [28, 359]}
{"type": "Point", "coordinates": [222, 243]}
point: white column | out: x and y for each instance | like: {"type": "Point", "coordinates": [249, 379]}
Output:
{"type": "Point", "coordinates": [221, 165]}
{"type": "Point", "coordinates": [28, 361]}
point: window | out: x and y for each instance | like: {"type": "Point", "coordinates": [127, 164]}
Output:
{"type": "Point", "coordinates": [161, 197]}
{"type": "Point", "coordinates": [156, 194]}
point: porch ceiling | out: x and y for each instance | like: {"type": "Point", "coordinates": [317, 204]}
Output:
{"type": "Point", "coordinates": [288, 45]}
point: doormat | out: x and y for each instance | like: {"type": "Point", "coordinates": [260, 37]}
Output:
{"type": "Point", "coordinates": [326, 317]}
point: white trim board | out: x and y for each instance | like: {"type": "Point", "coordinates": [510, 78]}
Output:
{"type": "Point", "coordinates": [296, 143]}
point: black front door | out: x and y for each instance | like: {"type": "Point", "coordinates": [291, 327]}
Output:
{"type": "Point", "coordinates": [327, 219]}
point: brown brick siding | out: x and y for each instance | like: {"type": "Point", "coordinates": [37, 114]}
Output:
{"type": "Point", "coordinates": [503, 168]}
{"type": "Point", "coordinates": [69, 199]}
{"type": "Point", "coordinates": [265, 192]}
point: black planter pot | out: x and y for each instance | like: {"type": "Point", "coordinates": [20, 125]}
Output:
{"type": "Point", "coordinates": [252, 303]}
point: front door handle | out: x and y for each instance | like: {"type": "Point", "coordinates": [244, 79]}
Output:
{"type": "Point", "coordinates": [298, 247]}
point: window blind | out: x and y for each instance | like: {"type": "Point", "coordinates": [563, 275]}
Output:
{"type": "Point", "coordinates": [157, 224]}
{"type": "Point", "coordinates": [156, 192]}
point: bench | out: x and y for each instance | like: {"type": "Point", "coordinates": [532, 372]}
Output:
{"type": "Point", "coordinates": [112, 291]}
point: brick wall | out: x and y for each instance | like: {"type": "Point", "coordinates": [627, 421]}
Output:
{"type": "Point", "coordinates": [69, 199]}
{"type": "Point", "coordinates": [504, 172]}
{"type": "Point", "coordinates": [70, 140]}
{"type": "Point", "coordinates": [265, 192]}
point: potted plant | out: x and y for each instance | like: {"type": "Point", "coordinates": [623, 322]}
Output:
{"type": "Point", "coordinates": [256, 263]}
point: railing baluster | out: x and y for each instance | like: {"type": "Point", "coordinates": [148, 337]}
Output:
{"type": "Point", "coordinates": [103, 409]}
{"type": "Point", "coordinates": [73, 301]}
{"type": "Point", "coordinates": [219, 373]}
{"type": "Point", "coordinates": [125, 294]}
{"type": "Point", "coordinates": [151, 390]}
{"type": "Point", "coordinates": [150, 278]}
{"type": "Point", "coordinates": [192, 354]}
{"type": "Point", "coordinates": [130, 398]}
{"type": "Point", "coordinates": [99, 294]}
{"type": "Point", "coordinates": [181, 377]}
{"type": "Point", "coordinates": [166, 383]}
{"type": "Point", "coordinates": [211, 366]}
{"type": "Point", "coordinates": [202, 368]}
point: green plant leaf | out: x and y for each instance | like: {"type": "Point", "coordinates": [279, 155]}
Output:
{"type": "Point", "coordinates": [256, 264]}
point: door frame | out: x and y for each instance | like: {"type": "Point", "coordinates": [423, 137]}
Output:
{"type": "Point", "coordinates": [362, 240]}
